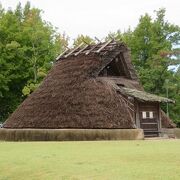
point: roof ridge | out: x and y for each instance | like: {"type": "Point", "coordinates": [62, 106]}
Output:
{"type": "Point", "coordinates": [100, 48]}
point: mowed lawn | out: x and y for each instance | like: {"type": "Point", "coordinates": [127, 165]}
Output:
{"type": "Point", "coordinates": [148, 160]}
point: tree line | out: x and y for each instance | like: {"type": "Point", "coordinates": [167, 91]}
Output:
{"type": "Point", "coordinates": [29, 45]}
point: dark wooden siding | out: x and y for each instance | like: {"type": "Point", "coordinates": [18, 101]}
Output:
{"type": "Point", "coordinates": [148, 118]}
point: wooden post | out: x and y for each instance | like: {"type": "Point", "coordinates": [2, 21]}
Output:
{"type": "Point", "coordinates": [137, 114]}
{"type": "Point", "coordinates": [159, 115]}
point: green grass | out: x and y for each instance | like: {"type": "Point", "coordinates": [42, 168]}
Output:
{"type": "Point", "coordinates": [149, 160]}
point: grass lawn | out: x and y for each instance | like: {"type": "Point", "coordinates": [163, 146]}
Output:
{"type": "Point", "coordinates": [148, 160]}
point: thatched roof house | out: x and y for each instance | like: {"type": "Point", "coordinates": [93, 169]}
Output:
{"type": "Point", "coordinates": [94, 86]}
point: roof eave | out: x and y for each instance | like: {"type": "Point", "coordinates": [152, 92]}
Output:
{"type": "Point", "coordinates": [143, 96]}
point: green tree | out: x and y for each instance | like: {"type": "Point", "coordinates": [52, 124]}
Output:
{"type": "Point", "coordinates": [83, 39]}
{"type": "Point", "coordinates": [153, 46]}
{"type": "Point", "coordinates": [28, 47]}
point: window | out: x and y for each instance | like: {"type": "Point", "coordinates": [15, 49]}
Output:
{"type": "Point", "coordinates": [151, 115]}
{"type": "Point", "coordinates": [144, 115]}
{"type": "Point", "coordinates": [148, 114]}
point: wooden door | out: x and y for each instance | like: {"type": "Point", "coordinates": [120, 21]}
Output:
{"type": "Point", "coordinates": [149, 119]}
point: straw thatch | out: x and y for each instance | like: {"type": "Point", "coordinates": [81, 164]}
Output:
{"type": "Point", "coordinates": [134, 89]}
{"type": "Point", "coordinates": [70, 98]}
{"type": "Point", "coordinates": [143, 96]}
{"type": "Point", "coordinates": [166, 121]}
{"type": "Point", "coordinates": [73, 96]}
{"type": "Point", "coordinates": [122, 81]}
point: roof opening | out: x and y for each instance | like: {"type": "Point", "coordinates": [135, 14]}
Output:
{"type": "Point", "coordinates": [120, 85]}
{"type": "Point", "coordinates": [114, 68]}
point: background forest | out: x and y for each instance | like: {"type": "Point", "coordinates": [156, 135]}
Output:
{"type": "Point", "coordinates": [29, 46]}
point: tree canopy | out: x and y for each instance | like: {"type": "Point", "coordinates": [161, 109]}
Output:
{"type": "Point", "coordinates": [155, 50]}
{"type": "Point", "coordinates": [29, 45]}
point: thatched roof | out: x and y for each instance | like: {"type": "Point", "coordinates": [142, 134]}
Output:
{"type": "Point", "coordinates": [133, 89]}
{"type": "Point", "coordinates": [73, 96]}
{"type": "Point", "coordinates": [143, 96]}
{"type": "Point", "coordinates": [107, 51]}
{"type": "Point", "coordinates": [128, 86]}
{"type": "Point", "coordinates": [121, 81]}
{"type": "Point", "coordinates": [166, 121]}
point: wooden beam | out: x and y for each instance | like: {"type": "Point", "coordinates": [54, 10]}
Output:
{"type": "Point", "coordinates": [81, 50]}
{"type": "Point", "coordinates": [73, 50]}
{"type": "Point", "coordinates": [137, 114]}
{"type": "Point", "coordinates": [62, 54]}
{"type": "Point", "coordinates": [149, 123]}
{"type": "Point", "coordinates": [97, 40]}
{"type": "Point", "coordinates": [91, 49]}
{"type": "Point", "coordinates": [102, 47]}
{"type": "Point", "coordinates": [111, 37]}
{"type": "Point", "coordinates": [159, 117]}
